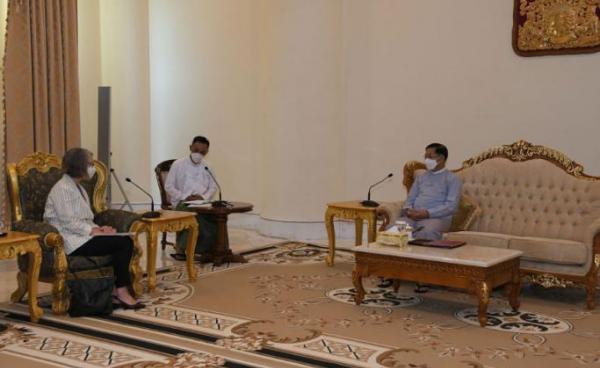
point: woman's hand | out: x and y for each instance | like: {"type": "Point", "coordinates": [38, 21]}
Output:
{"type": "Point", "coordinates": [108, 230]}
{"type": "Point", "coordinates": [103, 230]}
{"type": "Point", "coordinates": [96, 231]}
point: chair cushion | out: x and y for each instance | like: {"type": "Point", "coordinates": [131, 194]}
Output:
{"type": "Point", "coordinates": [494, 240]}
{"type": "Point", "coordinates": [556, 251]}
{"type": "Point", "coordinates": [34, 188]}
{"type": "Point", "coordinates": [79, 263]}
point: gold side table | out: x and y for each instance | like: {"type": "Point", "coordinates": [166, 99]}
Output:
{"type": "Point", "coordinates": [351, 210]}
{"type": "Point", "coordinates": [170, 221]}
{"type": "Point", "coordinates": [15, 244]}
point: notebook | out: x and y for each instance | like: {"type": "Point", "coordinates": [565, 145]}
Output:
{"type": "Point", "coordinates": [437, 243]}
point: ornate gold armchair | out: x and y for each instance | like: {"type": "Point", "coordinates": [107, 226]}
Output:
{"type": "Point", "coordinates": [29, 183]}
{"type": "Point", "coordinates": [467, 211]}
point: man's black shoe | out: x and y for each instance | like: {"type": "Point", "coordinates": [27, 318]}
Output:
{"type": "Point", "coordinates": [421, 289]}
{"type": "Point", "coordinates": [384, 283]}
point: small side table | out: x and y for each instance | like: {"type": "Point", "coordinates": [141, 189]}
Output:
{"type": "Point", "coordinates": [351, 210]}
{"type": "Point", "coordinates": [170, 221]}
{"type": "Point", "coordinates": [15, 244]}
{"type": "Point", "coordinates": [221, 253]}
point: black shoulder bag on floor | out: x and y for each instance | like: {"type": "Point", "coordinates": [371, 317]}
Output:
{"type": "Point", "coordinates": [90, 296]}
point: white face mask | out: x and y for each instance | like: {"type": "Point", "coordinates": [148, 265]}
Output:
{"type": "Point", "coordinates": [196, 157]}
{"type": "Point", "coordinates": [91, 170]}
{"type": "Point", "coordinates": [430, 163]}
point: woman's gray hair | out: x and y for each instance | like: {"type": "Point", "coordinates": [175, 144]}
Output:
{"type": "Point", "coordinates": [75, 162]}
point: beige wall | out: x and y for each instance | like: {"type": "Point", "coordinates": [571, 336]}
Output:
{"type": "Point", "coordinates": [422, 71]}
{"type": "Point", "coordinates": [310, 101]}
{"type": "Point", "coordinates": [301, 118]}
{"type": "Point", "coordinates": [204, 83]}
{"type": "Point", "coordinates": [113, 41]}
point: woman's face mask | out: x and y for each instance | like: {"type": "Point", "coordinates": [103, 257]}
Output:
{"type": "Point", "coordinates": [91, 170]}
{"type": "Point", "coordinates": [196, 157]}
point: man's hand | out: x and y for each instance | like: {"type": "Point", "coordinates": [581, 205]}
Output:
{"type": "Point", "coordinates": [194, 198]}
{"type": "Point", "coordinates": [413, 214]}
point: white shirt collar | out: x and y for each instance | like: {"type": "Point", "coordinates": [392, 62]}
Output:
{"type": "Point", "coordinates": [439, 171]}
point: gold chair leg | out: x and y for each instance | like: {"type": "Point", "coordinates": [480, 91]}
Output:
{"type": "Point", "coordinates": [60, 295]}
{"type": "Point", "coordinates": [18, 294]}
{"type": "Point", "coordinates": [135, 269]}
{"type": "Point", "coordinates": [164, 241]}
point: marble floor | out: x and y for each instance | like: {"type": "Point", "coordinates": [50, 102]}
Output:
{"type": "Point", "coordinates": [240, 241]}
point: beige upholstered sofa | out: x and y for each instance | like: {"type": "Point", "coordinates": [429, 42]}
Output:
{"type": "Point", "coordinates": [534, 199]}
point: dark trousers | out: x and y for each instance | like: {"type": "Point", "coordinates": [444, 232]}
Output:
{"type": "Point", "coordinates": [119, 247]}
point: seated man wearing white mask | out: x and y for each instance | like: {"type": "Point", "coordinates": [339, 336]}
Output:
{"type": "Point", "coordinates": [188, 180]}
{"type": "Point", "coordinates": [434, 196]}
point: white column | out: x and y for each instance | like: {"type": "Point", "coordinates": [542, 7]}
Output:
{"type": "Point", "coordinates": [300, 87]}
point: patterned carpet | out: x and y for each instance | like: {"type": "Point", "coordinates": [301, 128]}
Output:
{"type": "Point", "coordinates": [285, 308]}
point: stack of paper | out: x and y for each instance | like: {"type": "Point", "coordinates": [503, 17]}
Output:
{"type": "Point", "coordinates": [197, 202]}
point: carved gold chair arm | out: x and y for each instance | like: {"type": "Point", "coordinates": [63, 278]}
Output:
{"type": "Point", "coordinates": [54, 240]}
{"type": "Point", "coordinates": [49, 236]}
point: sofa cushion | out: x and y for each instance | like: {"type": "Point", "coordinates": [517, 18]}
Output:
{"type": "Point", "coordinates": [466, 213]}
{"type": "Point", "coordinates": [556, 251]}
{"type": "Point", "coordinates": [480, 238]}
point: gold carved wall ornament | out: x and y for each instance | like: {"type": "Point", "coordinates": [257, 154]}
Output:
{"type": "Point", "coordinates": [550, 27]}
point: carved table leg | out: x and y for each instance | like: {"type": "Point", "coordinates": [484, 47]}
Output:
{"type": "Point", "coordinates": [222, 253]}
{"type": "Point", "coordinates": [514, 290]}
{"type": "Point", "coordinates": [329, 214]}
{"type": "Point", "coordinates": [190, 249]}
{"type": "Point", "coordinates": [18, 294]}
{"type": "Point", "coordinates": [152, 243]}
{"type": "Point", "coordinates": [35, 261]}
{"type": "Point", "coordinates": [483, 294]}
{"type": "Point", "coordinates": [358, 229]}
{"type": "Point", "coordinates": [358, 286]}
{"type": "Point", "coordinates": [372, 223]}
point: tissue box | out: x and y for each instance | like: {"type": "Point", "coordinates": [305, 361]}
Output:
{"type": "Point", "coordinates": [398, 239]}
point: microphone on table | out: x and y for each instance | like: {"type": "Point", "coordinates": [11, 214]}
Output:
{"type": "Point", "coordinates": [220, 202]}
{"type": "Point", "coordinates": [151, 213]}
{"type": "Point", "coordinates": [368, 202]}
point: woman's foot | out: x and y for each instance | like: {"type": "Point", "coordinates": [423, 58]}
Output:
{"type": "Point", "coordinates": [178, 256]}
{"type": "Point", "coordinates": [126, 300]}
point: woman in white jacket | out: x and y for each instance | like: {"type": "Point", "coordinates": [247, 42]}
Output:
{"type": "Point", "coordinates": [68, 209]}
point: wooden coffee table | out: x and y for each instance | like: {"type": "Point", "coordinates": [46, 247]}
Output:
{"type": "Point", "coordinates": [473, 268]}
